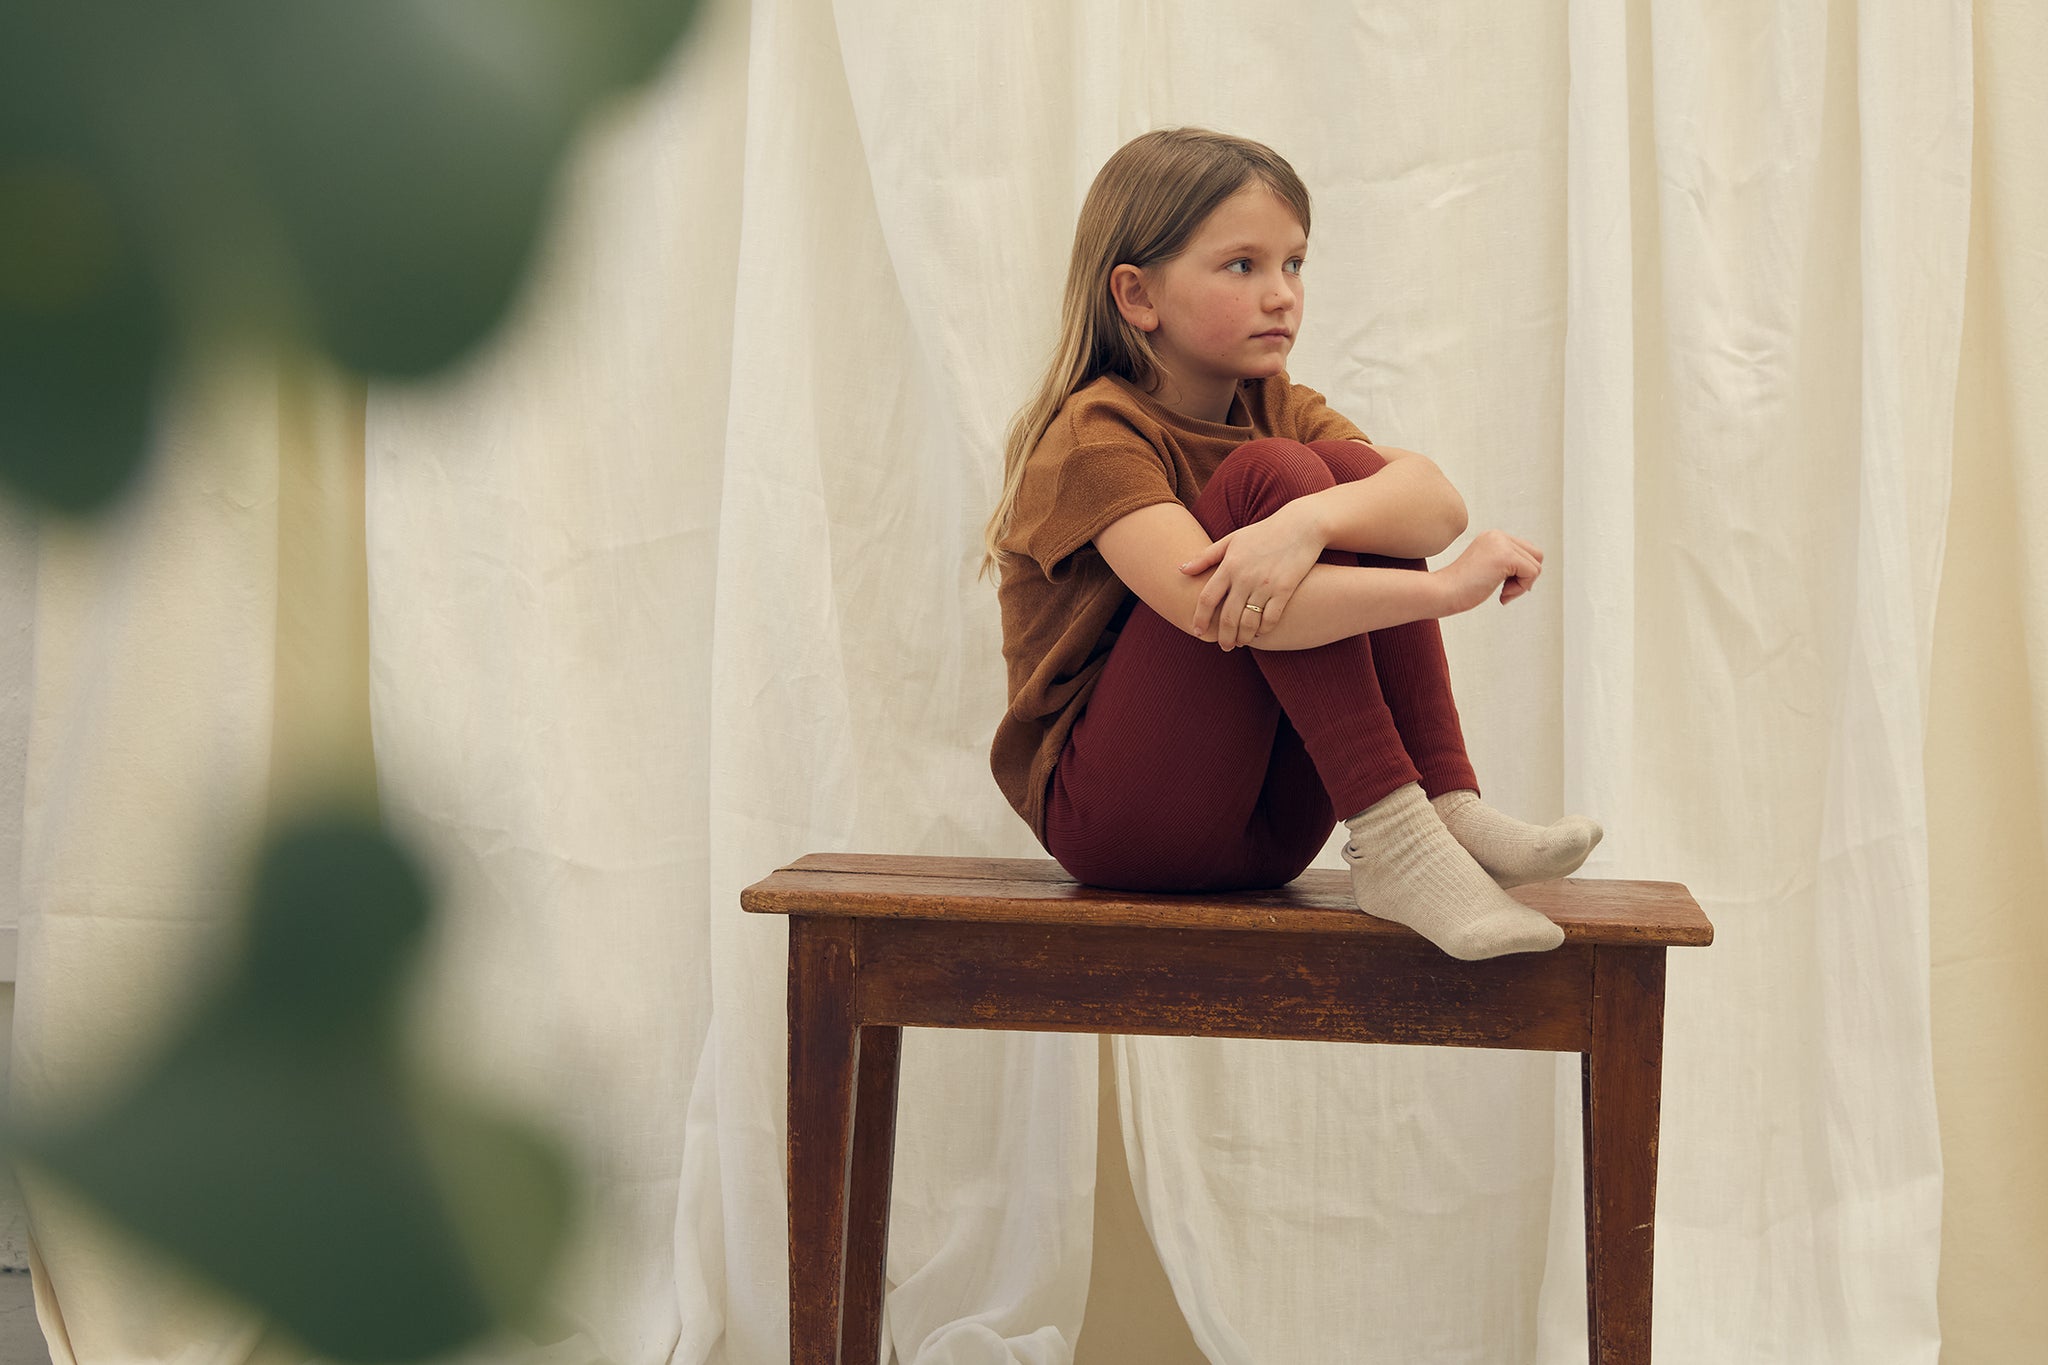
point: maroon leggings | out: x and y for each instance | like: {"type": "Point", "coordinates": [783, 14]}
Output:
{"type": "Point", "coordinates": [1197, 770]}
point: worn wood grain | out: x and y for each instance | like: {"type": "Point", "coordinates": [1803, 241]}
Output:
{"type": "Point", "coordinates": [822, 1042]}
{"type": "Point", "coordinates": [1621, 1081]}
{"type": "Point", "coordinates": [872, 886]}
{"type": "Point", "coordinates": [1218, 983]}
{"type": "Point", "coordinates": [867, 1202]}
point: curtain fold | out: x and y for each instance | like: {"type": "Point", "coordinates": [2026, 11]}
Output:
{"type": "Point", "coordinates": [1987, 745]}
{"type": "Point", "coordinates": [644, 594]}
{"type": "Point", "coordinates": [544, 538]}
{"type": "Point", "coordinates": [1798, 209]}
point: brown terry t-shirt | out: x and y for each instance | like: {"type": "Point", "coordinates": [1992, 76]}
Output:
{"type": "Point", "coordinates": [1110, 451]}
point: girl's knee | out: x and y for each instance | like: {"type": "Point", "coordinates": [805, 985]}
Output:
{"type": "Point", "coordinates": [1275, 457]}
{"type": "Point", "coordinates": [1259, 477]}
{"type": "Point", "coordinates": [1349, 460]}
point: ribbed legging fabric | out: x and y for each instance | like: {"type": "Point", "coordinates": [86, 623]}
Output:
{"type": "Point", "coordinates": [1193, 769]}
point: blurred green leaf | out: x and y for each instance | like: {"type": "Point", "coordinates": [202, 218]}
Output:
{"type": "Point", "coordinates": [283, 1148]}
{"type": "Point", "coordinates": [369, 177]}
{"type": "Point", "coordinates": [83, 327]}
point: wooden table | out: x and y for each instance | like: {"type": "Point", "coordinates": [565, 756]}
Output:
{"type": "Point", "coordinates": [879, 942]}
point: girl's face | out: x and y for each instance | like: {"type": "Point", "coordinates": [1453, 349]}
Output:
{"type": "Point", "coordinates": [1227, 308]}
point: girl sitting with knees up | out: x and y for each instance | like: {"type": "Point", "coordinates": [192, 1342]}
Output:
{"type": "Point", "coordinates": [1220, 630]}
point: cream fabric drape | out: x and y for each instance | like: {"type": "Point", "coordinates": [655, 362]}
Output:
{"type": "Point", "coordinates": [674, 583]}
{"type": "Point", "coordinates": [696, 668]}
{"type": "Point", "coordinates": [1714, 374]}
{"type": "Point", "coordinates": [1987, 751]}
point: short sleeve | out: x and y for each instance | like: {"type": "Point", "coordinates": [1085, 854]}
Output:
{"type": "Point", "coordinates": [1313, 419]}
{"type": "Point", "coordinates": [1070, 494]}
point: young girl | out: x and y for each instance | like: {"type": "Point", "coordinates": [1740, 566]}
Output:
{"type": "Point", "coordinates": [1220, 631]}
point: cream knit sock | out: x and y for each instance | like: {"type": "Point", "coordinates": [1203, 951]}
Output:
{"type": "Point", "coordinates": [1511, 851]}
{"type": "Point", "coordinates": [1406, 867]}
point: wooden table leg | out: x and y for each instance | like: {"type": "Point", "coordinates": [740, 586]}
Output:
{"type": "Point", "coordinates": [823, 1051]}
{"type": "Point", "coordinates": [1621, 1078]}
{"type": "Point", "coordinates": [867, 1203]}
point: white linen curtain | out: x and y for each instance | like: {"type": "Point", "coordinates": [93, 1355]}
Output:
{"type": "Point", "coordinates": [1987, 753]}
{"type": "Point", "coordinates": [674, 583]}
{"type": "Point", "coordinates": [1668, 290]}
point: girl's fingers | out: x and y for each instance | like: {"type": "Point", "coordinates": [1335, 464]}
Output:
{"type": "Point", "coordinates": [1254, 623]}
{"type": "Point", "coordinates": [1229, 617]}
{"type": "Point", "coordinates": [1242, 624]}
{"type": "Point", "coordinates": [1206, 560]}
{"type": "Point", "coordinates": [1521, 576]}
{"type": "Point", "coordinates": [1275, 606]}
{"type": "Point", "coordinates": [1205, 605]}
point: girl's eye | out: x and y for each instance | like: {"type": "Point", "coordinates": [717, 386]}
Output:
{"type": "Point", "coordinates": [1293, 266]}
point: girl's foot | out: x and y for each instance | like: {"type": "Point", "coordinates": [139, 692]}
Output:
{"type": "Point", "coordinates": [1406, 867]}
{"type": "Point", "coordinates": [1511, 851]}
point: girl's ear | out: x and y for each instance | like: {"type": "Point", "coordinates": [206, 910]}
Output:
{"type": "Point", "coordinates": [1127, 289]}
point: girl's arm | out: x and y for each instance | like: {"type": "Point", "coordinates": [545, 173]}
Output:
{"type": "Point", "coordinates": [1408, 510]}
{"type": "Point", "coordinates": [1405, 510]}
{"type": "Point", "coordinates": [1146, 548]}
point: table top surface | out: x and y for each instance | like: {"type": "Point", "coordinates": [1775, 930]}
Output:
{"type": "Point", "coordinates": [1038, 891]}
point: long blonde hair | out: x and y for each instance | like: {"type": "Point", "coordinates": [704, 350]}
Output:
{"type": "Point", "coordinates": [1147, 201]}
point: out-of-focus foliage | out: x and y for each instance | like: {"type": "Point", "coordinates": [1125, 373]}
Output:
{"type": "Point", "coordinates": [286, 1147]}
{"type": "Point", "coordinates": [367, 179]}
{"type": "Point", "coordinates": [368, 176]}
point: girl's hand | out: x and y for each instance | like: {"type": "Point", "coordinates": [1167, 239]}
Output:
{"type": "Point", "coordinates": [1258, 565]}
{"type": "Point", "coordinates": [1493, 558]}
